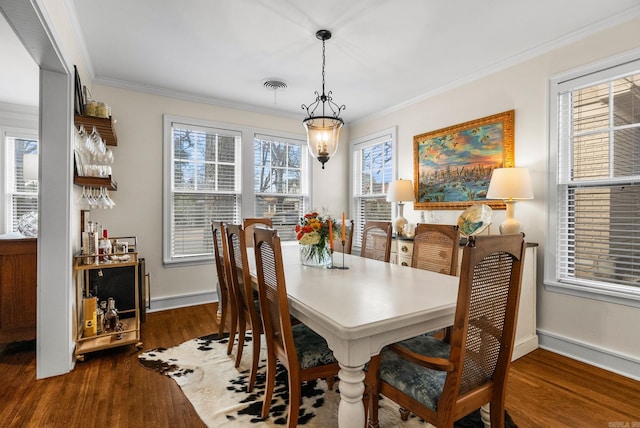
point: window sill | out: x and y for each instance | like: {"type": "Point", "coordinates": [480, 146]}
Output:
{"type": "Point", "coordinates": [627, 296]}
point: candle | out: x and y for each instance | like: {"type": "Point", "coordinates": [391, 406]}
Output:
{"type": "Point", "coordinates": [343, 228]}
{"type": "Point", "coordinates": [331, 234]}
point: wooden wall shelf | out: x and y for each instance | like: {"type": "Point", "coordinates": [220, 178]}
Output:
{"type": "Point", "coordinates": [96, 182]}
{"type": "Point", "coordinates": [104, 126]}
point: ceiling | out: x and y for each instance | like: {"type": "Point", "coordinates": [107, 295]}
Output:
{"type": "Point", "coordinates": [383, 54]}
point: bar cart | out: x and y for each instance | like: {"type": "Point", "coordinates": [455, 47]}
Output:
{"type": "Point", "coordinates": [130, 331]}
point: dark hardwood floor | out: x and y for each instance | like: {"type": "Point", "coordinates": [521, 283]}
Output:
{"type": "Point", "coordinates": [110, 388]}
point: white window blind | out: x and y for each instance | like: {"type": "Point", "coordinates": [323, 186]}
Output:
{"type": "Point", "coordinates": [373, 160]}
{"type": "Point", "coordinates": [204, 186]}
{"type": "Point", "coordinates": [21, 195]}
{"type": "Point", "coordinates": [280, 182]}
{"type": "Point", "coordinates": [597, 187]}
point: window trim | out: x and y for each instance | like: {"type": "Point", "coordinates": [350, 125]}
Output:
{"type": "Point", "coordinates": [590, 74]}
{"type": "Point", "coordinates": [357, 144]}
{"type": "Point", "coordinates": [167, 169]}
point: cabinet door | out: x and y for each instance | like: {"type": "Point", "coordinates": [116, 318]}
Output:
{"type": "Point", "coordinates": [18, 279]}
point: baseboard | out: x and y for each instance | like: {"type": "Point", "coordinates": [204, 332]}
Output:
{"type": "Point", "coordinates": [524, 347]}
{"type": "Point", "coordinates": [622, 364]}
{"type": "Point", "coordinates": [182, 300]}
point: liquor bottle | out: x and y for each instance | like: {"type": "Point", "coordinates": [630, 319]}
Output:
{"type": "Point", "coordinates": [111, 318]}
{"type": "Point", "coordinates": [105, 245]}
{"type": "Point", "coordinates": [100, 311]}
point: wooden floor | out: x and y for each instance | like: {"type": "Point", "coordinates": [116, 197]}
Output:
{"type": "Point", "coordinates": [112, 389]}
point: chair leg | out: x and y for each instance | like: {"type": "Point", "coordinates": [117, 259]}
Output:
{"type": "Point", "coordinates": [331, 380]}
{"type": "Point", "coordinates": [496, 412]}
{"type": "Point", "coordinates": [256, 360]}
{"type": "Point", "coordinates": [371, 393]}
{"type": "Point", "coordinates": [404, 414]}
{"type": "Point", "coordinates": [294, 397]}
{"type": "Point", "coordinates": [269, 385]}
{"type": "Point", "coordinates": [242, 331]}
{"type": "Point", "coordinates": [232, 330]}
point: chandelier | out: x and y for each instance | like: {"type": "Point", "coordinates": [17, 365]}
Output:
{"type": "Point", "coordinates": [323, 131]}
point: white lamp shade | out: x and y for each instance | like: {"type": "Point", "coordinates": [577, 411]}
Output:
{"type": "Point", "coordinates": [510, 183]}
{"type": "Point", "coordinates": [401, 191]}
{"type": "Point", "coordinates": [30, 166]}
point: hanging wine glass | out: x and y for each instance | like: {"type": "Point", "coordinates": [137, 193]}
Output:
{"type": "Point", "coordinates": [109, 202]}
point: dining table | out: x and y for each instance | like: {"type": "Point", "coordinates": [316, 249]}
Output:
{"type": "Point", "coordinates": [359, 306]}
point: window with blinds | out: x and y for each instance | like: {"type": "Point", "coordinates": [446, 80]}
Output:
{"type": "Point", "coordinates": [373, 159]}
{"type": "Point", "coordinates": [204, 186]}
{"type": "Point", "coordinates": [280, 182]}
{"type": "Point", "coordinates": [21, 183]}
{"type": "Point", "coordinates": [597, 190]}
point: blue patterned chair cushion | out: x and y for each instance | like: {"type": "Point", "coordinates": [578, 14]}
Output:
{"type": "Point", "coordinates": [312, 349]}
{"type": "Point", "coordinates": [420, 383]}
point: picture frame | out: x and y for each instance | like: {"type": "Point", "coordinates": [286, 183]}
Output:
{"type": "Point", "coordinates": [79, 97]}
{"type": "Point", "coordinates": [453, 165]}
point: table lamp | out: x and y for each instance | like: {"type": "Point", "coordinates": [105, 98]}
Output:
{"type": "Point", "coordinates": [510, 184]}
{"type": "Point", "coordinates": [400, 191]}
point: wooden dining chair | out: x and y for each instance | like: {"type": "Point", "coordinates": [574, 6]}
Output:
{"type": "Point", "coordinates": [226, 300]}
{"type": "Point", "coordinates": [337, 243]}
{"type": "Point", "coordinates": [441, 382]}
{"type": "Point", "coordinates": [248, 305]}
{"type": "Point", "coordinates": [435, 248]}
{"type": "Point", "coordinates": [303, 352]}
{"type": "Point", "coordinates": [249, 225]}
{"type": "Point", "coordinates": [376, 240]}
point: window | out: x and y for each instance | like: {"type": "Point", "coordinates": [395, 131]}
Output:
{"type": "Point", "coordinates": [372, 164]}
{"type": "Point", "coordinates": [280, 182]}
{"type": "Point", "coordinates": [595, 184]}
{"type": "Point", "coordinates": [20, 182]}
{"type": "Point", "coordinates": [204, 181]}
{"type": "Point", "coordinates": [202, 185]}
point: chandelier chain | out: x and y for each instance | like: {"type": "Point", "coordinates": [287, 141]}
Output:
{"type": "Point", "coordinates": [323, 58]}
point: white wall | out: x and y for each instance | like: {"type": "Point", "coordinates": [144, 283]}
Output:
{"type": "Point", "coordinates": [138, 171]}
{"type": "Point", "coordinates": [602, 333]}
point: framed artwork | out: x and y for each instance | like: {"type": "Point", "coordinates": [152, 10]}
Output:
{"type": "Point", "coordinates": [453, 165]}
{"type": "Point", "coordinates": [78, 98]}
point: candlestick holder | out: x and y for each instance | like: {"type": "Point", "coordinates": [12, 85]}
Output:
{"type": "Point", "coordinates": [338, 267]}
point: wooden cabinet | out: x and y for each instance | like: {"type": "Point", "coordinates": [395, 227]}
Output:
{"type": "Point", "coordinates": [18, 288]}
{"type": "Point", "coordinates": [130, 333]}
{"type": "Point", "coordinates": [404, 251]}
{"type": "Point", "coordinates": [526, 335]}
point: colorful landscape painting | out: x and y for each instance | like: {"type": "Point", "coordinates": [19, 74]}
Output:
{"type": "Point", "coordinates": [453, 165]}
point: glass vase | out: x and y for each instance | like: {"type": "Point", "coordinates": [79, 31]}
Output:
{"type": "Point", "coordinates": [315, 255]}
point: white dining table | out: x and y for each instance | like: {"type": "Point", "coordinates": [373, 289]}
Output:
{"type": "Point", "coordinates": [363, 308]}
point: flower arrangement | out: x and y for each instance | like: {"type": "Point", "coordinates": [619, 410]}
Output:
{"type": "Point", "coordinates": [315, 232]}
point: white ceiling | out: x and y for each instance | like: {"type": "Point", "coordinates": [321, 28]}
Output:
{"type": "Point", "coordinates": [382, 54]}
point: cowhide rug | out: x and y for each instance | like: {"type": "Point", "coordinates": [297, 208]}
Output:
{"type": "Point", "coordinates": [217, 390]}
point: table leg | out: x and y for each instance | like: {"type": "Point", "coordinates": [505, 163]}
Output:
{"type": "Point", "coordinates": [485, 415]}
{"type": "Point", "coordinates": [351, 409]}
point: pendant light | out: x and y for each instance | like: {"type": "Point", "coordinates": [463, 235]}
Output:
{"type": "Point", "coordinates": [323, 131]}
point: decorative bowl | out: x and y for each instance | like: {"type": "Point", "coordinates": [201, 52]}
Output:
{"type": "Point", "coordinates": [474, 219]}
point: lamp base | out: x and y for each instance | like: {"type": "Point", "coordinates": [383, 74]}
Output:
{"type": "Point", "coordinates": [400, 222]}
{"type": "Point", "coordinates": [510, 225]}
